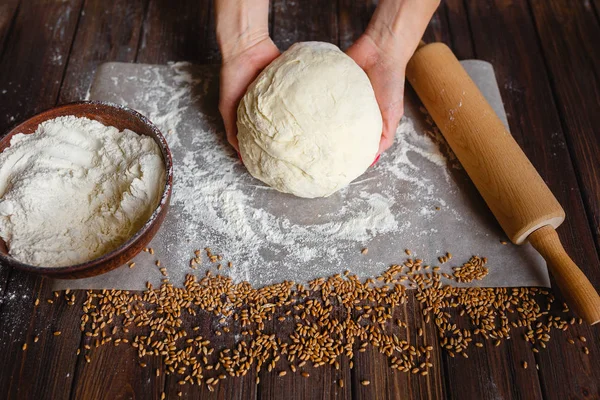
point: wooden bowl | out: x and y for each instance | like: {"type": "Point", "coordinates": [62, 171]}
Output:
{"type": "Point", "coordinates": [121, 118]}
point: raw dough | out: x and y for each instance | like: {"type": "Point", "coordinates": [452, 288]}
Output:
{"type": "Point", "coordinates": [309, 124]}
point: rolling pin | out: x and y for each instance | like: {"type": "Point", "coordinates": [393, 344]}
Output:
{"type": "Point", "coordinates": [513, 190]}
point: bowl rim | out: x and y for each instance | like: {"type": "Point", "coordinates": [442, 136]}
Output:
{"type": "Point", "coordinates": [8, 260]}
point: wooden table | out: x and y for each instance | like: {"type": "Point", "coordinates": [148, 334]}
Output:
{"type": "Point", "coordinates": [547, 60]}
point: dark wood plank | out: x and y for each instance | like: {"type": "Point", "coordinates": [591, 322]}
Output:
{"type": "Point", "coordinates": [492, 372]}
{"type": "Point", "coordinates": [8, 10]}
{"type": "Point", "coordinates": [322, 382]}
{"type": "Point", "coordinates": [16, 311]}
{"type": "Point", "coordinates": [25, 376]}
{"type": "Point", "coordinates": [353, 18]}
{"type": "Point", "coordinates": [569, 38]}
{"type": "Point", "coordinates": [459, 29]}
{"type": "Point", "coordinates": [211, 53]}
{"type": "Point", "coordinates": [565, 370]}
{"type": "Point", "coordinates": [33, 61]}
{"type": "Point", "coordinates": [388, 383]}
{"type": "Point", "coordinates": [230, 388]}
{"type": "Point", "coordinates": [175, 31]}
{"type": "Point", "coordinates": [437, 29]}
{"type": "Point", "coordinates": [302, 21]}
{"type": "Point", "coordinates": [114, 372]}
{"type": "Point", "coordinates": [107, 32]}
{"type": "Point", "coordinates": [568, 33]}
{"type": "Point", "coordinates": [31, 71]}
{"type": "Point", "coordinates": [597, 8]}
{"type": "Point", "coordinates": [534, 122]}
{"type": "Point", "coordinates": [4, 275]}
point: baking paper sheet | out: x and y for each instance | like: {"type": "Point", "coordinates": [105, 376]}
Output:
{"type": "Point", "coordinates": [417, 197]}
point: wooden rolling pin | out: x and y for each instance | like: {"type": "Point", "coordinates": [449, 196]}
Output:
{"type": "Point", "coordinates": [510, 185]}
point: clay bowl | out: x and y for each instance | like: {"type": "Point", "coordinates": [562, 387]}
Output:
{"type": "Point", "coordinates": [121, 118]}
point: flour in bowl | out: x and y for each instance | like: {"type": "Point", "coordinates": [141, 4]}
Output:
{"type": "Point", "coordinates": [75, 190]}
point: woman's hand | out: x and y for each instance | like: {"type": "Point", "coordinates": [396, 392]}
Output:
{"type": "Point", "coordinates": [237, 73]}
{"type": "Point", "coordinates": [246, 49]}
{"type": "Point", "coordinates": [383, 52]}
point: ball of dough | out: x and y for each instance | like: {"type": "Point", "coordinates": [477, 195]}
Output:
{"type": "Point", "coordinates": [309, 124]}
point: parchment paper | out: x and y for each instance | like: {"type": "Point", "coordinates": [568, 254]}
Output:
{"type": "Point", "coordinates": [181, 99]}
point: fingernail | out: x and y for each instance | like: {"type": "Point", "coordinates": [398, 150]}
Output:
{"type": "Point", "coordinates": [376, 159]}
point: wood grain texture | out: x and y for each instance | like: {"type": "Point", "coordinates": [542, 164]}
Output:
{"type": "Point", "coordinates": [438, 29]}
{"type": "Point", "coordinates": [31, 71]}
{"type": "Point", "coordinates": [322, 383]}
{"type": "Point", "coordinates": [108, 31]}
{"type": "Point", "coordinates": [534, 121]}
{"type": "Point", "coordinates": [175, 31]}
{"type": "Point", "coordinates": [115, 373]}
{"type": "Point", "coordinates": [567, 34]}
{"type": "Point", "coordinates": [34, 60]}
{"type": "Point", "coordinates": [388, 383]}
{"type": "Point", "coordinates": [8, 10]}
{"type": "Point", "coordinates": [493, 372]}
{"type": "Point", "coordinates": [353, 18]}
{"type": "Point", "coordinates": [530, 72]}
{"type": "Point", "coordinates": [16, 313]}
{"type": "Point", "coordinates": [569, 39]}
{"type": "Point", "coordinates": [300, 21]}
{"type": "Point", "coordinates": [231, 388]}
{"type": "Point", "coordinates": [490, 372]}
{"type": "Point", "coordinates": [45, 370]}
{"type": "Point", "coordinates": [573, 284]}
{"type": "Point", "coordinates": [505, 178]}
{"type": "Point", "coordinates": [459, 29]}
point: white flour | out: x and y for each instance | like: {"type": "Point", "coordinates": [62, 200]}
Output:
{"type": "Point", "coordinates": [75, 190]}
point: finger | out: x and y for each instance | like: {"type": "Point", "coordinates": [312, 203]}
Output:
{"type": "Point", "coordinates": [385, 143]}
{"type": "Point", "coordinates": [228, 112]}
{"type": "Point", "coordinates": [391, 119]}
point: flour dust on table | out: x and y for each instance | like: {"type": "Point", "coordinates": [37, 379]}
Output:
{"type": "Point", "coordinates": [416, 197]}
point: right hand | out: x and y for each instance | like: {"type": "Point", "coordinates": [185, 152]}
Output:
{"type": "Point", "coordinates": [238, 71]}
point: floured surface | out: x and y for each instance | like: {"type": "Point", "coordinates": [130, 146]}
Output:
{"type": "Point", "coordinates": [417, 197]}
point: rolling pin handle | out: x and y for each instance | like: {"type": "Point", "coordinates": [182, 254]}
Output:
{"type": "Point", "coordinates": [574, 285]}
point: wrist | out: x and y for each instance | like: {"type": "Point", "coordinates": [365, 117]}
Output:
{"type": "Point", "coordinates": [397, 26]}
{"type": "Point", "coordinates": [240, 24]}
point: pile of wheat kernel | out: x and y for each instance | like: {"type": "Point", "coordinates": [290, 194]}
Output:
{"type": "Point", "coordinates": [286, 327]}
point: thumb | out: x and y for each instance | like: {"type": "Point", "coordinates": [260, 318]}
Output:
{"type": "Point", "coordinates": [229, 114]}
